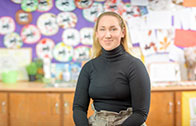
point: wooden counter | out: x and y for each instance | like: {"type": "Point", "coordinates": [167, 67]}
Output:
{"type": "Point", "coordinates": [41, 87]}
{"type": "Point", "coordinates": [26, 86]}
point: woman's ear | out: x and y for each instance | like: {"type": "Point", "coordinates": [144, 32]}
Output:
{"type": "Point", "coordinates": [123, 33]}
{"type": "Point", "coordinates": [96, 35]}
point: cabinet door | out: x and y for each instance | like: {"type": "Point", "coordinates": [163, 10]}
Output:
{"type": "Point", "coordinates": [161, 109]}
{"type": "Point", "coordinates": [67, 109]}
{"type": "Point", "coordinates": [3, 109]}
{"type": "Point", "coordinates": [178, 112]}
{"type": "Point", "coordinates": [35, 109]}
{"type": "Point", "coordinates": [90, 110]}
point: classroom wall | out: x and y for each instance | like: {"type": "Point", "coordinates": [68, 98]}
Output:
{"type": "Point", "coordinates": [159, 30]}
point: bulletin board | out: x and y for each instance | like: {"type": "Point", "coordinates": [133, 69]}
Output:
{"type": "Point", "coordinates": [188, 108]}
{"type": "Point", "coordinates": [15, 59]}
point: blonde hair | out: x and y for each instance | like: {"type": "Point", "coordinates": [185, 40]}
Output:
{"type": "Point", "coordinates": [96, 49]}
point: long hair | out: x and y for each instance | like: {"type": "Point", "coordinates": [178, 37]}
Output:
{"type": "Point", "coordinates": [96, 49]}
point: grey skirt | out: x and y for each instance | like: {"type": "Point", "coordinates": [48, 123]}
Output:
{"type": "Point", "coordinates": [108, 118]}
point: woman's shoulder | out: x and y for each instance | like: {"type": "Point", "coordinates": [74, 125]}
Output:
{"type": "Point", "coordinates": [88, 64]}
{"type": "Point", "coordinates": [133, 59]}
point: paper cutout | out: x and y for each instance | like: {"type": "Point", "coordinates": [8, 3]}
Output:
{"type": "Point", "coordinates": [44, 48]}
{"type": "Point", "coordinates": [13, 40]}
{"type": "Point", "coordinates": [165, 39]}
{"type": "Point", "coordinates": [65, 5]}
{"type": "Point", "coordinates": [185, 38]}
{"type": "Point", "coordinates": [93, 12]}
{"type": "Point", "coordinates": [71, 37]}
{"type": "Point", "coordinates": [47, 24]}
{"type": "Point", "coordinates": [189, 3]}
{"type": "Point", "coordinates": [130, 11]}
{"type": "Point", "coordinates": [63, 52]}
{"type": "Point", "coordinates": [83, 4]}
{"type": "Point", "coordinates": [149, 42]}
{"type": "Point", "coordinates": [114, 5]}
{"type": "Point", "coordinates": [86, 36]}
{"type": "Point", "coordinates": [30, 34]}
{"type": "Point", "coordinates": [7, 25]}
{"type": "Point", "coordinates": [23, 17]}
{"type": "Point", "coordinates": [67, 19]}
{"type": "Point", "coordinates": [81, 53]}
{"type": "Point", "coordinates": [44, 5]}
{"type": "Point", "coordinates": [29, 5]}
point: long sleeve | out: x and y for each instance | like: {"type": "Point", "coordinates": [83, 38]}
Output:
{"type": "Point", "coordinates": [81, 98]}
{"type": "Point", "coordinates": [140, 94]}
{"type": "Point", "coordinates": [115, 81]}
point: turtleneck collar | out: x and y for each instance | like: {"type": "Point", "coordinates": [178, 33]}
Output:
{"type": "Point", "coordinates": [114, 54]}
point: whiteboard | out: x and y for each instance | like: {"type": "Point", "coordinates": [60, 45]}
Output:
{"type": "Point", "coordinates": [15, 59]}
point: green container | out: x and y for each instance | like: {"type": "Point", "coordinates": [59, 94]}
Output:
{"type": "Point", "coordinates": [9, 77]}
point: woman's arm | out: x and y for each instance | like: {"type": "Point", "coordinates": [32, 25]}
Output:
{"type": "Point", "coordinates": [81, 98]}
{"type": "Point", "coordinates": [139, 82]}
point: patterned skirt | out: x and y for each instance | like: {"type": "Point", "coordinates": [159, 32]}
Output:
{"type": "Point", "coordinates": [109, 118]}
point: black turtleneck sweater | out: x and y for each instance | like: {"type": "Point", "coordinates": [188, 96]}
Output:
{"type": "Point", "coordinates": [115, 81]}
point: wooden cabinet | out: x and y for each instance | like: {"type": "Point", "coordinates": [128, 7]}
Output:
{"type": "Point", "coordinates": [55, 109]}
{"type": "Point", "coordinates": [35, 109]}
{"type": "Point", "coordinates": [162, 109]}
{"type": "Point", "coordinates": [32, 104]}
{"type": "Point", "coordinates": [67, 109]}
{"type": "Point", "coordinates": [3, 109]}
{"type": "Point", "coordinates": [165, 109]}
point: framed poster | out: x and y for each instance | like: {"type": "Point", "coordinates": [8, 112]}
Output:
{"type": "Point", "coordinates": [189, 108]}
{"type": "Point", "coordinates": [15, 59]}
{"type": "Point", "coordinates": [164, 71]}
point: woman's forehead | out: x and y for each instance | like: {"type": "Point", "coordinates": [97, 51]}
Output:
{"type": "Point", "coordinates": [108, 20]}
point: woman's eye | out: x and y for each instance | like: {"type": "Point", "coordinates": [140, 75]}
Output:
{"type": "Point", "coordinates": [101, 29]}
{"type": "Point", "coordinates": [114, 29]}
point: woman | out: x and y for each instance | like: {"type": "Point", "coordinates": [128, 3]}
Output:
{"type": "Point", "coordinates": [117, 82]}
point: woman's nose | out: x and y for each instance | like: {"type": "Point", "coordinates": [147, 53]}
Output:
{"type": "Point", "coordinates": [107, 34]}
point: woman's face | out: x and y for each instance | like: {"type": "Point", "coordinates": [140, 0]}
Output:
{"type": "Point", "coordinates": [109, 32]}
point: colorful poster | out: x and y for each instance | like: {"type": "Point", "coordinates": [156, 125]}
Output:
{"type": "Point", "coordinates": [189, 108]}
{"type": "Point", "coordinates": [189, 3]}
